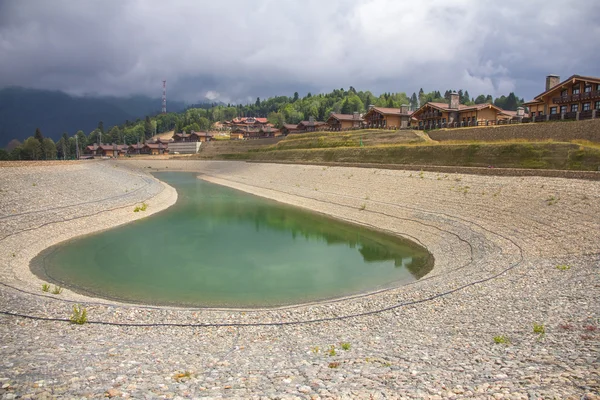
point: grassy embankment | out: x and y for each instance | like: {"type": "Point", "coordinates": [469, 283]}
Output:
{"type": "Point", "coordinates": [405, 147]}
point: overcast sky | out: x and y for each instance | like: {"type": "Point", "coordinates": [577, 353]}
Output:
{"type": "Point", "coordinates": [236, 50]}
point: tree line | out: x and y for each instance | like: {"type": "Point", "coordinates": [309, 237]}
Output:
{"type": "Point", "coordinates": [278, 110]}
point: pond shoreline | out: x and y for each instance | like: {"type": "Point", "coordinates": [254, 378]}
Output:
{"type": "Point", "coordinates": [510, 253]}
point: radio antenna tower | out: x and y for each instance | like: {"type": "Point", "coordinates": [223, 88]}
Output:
{"type": "Point", "coordinates": [164, 97]}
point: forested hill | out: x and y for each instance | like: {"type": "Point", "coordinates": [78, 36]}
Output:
{"type": "Point", "coordinates": [24, 110]}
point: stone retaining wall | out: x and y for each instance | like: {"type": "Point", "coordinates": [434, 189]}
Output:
{"type": "Point", "coordinates": [559, 131]}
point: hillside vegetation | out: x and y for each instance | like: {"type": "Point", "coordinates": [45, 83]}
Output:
{"type": "Point", "coordinates": [410, 148]}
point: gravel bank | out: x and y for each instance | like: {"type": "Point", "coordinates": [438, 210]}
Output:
{"type": "Point", "coordinates": [497, 243]}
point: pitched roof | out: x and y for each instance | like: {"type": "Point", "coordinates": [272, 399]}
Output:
{"type": "Point", "coordinates": [110, 147]}
{"type": "Point", "coordinates": [461, 107]}
{"type": "Point", "coordinates": [201, 134]}
{"type": "Point", "coordinates": [389, 111]}
{"type": "Point", "coordinates": [345, 117]}
{"type": "Point", "coordinates": [312, 123]}
{"type": "Point", "coordinates": [290, 127]}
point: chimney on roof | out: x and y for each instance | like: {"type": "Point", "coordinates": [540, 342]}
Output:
{"type": "Point", "coordinates": [454, 101]}
{"type": "Point", "coordinates": [552, 81]}
{"type": "Point", "coordinates": [520, 112]}
{"type": "Point", "coordinates": [404, 109]}
{"type": "Point", "coordinates": [371, 106]}
{"type": "Point", "coordinates": [355, 115]}
{"type": "Point", "coordinates": [331, 113]}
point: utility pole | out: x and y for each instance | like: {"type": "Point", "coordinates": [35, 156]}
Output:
{"type": "Point", "coordinates": [76, 147]}
{"type": "Point", "coordinates": [164, 98]}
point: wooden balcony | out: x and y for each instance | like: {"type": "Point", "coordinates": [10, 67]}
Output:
{"type": "Point", "coordinates": [595, 94]}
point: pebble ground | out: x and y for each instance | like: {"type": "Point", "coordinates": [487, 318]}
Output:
{"type": "Point", "coordinates": [517, 262]}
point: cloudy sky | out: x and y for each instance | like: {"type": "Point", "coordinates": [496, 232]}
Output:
{"type": "Point", "coordinates": [236, 50]}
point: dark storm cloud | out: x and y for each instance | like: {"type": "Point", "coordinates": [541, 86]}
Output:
{"type": "Point", "coordinates": [235, 50]}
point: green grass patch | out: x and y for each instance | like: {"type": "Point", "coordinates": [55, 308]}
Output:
{"type": "Point", "coordinates": [79, 315]}
{"type": "Point", "coordinates": [501, 339]}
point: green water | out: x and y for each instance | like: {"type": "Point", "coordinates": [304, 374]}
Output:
{"type": "Point", "coordinates": [218, 247]}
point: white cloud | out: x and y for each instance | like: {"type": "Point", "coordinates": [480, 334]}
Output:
{"type": "Point", "coordinates": [234, 49]}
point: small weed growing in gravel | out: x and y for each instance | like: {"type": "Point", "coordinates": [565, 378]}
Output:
{"type": "Point", "coordinates": [143, 207]}
{"type": "Point", "coordinates": [334, 364]}
{"type": "Point", "coordinates": [331, 351]}
{"type": "Point", "coordinates": [316, 349]}
{"type": "Point", "coordinates": [14, 255]}
{"type": "Point", "coordinates": [563, 267]}
{"type": "Point", "coordinates": [458, 179]}
{"type": "Point", "coordinates": [345, 346]}
{"type": "Point", "coordinates": [79, 315]}
{"type": "Point", "coordinates": [34, 184]}
{"type": "Point", "coordinates": [45, 287]}
{"type": "Point", "coordinates": [182, 376]}
{"type": "Point", "coordinates": [501, 339]}
{"type": "Point", "coordinates": [57, 290]}
{"type": "Point", "coordinates": [421, 174]}
{"type": "Point", "coordinates": [551, 200]}
{"type": "Point", "coordinates": [539, 328]}
{"type": "Point", "coordinates": [362, 206]}
{"type": "Point", "coordinates": [367, 197]}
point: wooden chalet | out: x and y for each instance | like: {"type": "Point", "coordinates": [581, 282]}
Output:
{"type": "Point", "coordinates": [135, 148]}
{"type": "Point", "coordinates": [106, 150]}
{"type": "Point", "coordinates": [248, 132]}
{"type": "Point", "coordinates": [577, 97]}
{"type": "Point", "coordinates": [341, 122]}
{"type": "Point", "coordinates": [442, 115]}
{"type": "Point", "coordinates": [289, 128]}
{"type": "Point", "coordinates": [310, 126]}
{"type": "Point", "coordinates": [192, 137]}
{"type": "Point", "coordinates": [393, 118]}
{"type": "Point", "coordinates": [154, 149]}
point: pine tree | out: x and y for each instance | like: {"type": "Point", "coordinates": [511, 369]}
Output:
{"type": "Point", "coordinates": [38, 135]}
{"type": "Point", "coordinates": [148, 128]}
{"type": "Point", "coordinates": [466, 97]}
{"type": "Point", "coordinates": [414, 101]}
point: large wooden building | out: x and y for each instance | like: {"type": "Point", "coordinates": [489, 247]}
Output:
{"type": "Point", "coordinates": [393, 118]}
{"type": "Point", "coordinates": [106, 150]}
{"type": "Point", "coordinates": [341, 122]}
{"type": "Point", "coordinates": [310, 126]}
{"type": "Point", "coordinates": [192, 137]}
{"type": "Point", "coordinates": [574, 98]}
{"type": "Point", "coordinates": [441, 115]}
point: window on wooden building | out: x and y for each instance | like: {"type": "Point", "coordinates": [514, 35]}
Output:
{"type": "Point", "coordinates": [586, 107]}
{"type": "Point", "coordinates": [553, 110]}
{"type": "Point", "coordinates": [576, 89]}
{"type": "Point", "coordinates": [574, 107]}
{"type": "Point", "coordinates": [563, 109]}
